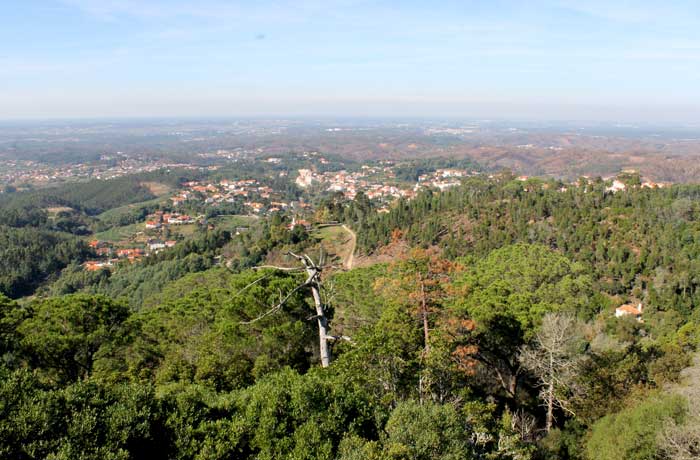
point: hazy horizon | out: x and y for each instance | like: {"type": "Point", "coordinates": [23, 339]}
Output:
{"type": "Point", "coordinates": [549, 60]}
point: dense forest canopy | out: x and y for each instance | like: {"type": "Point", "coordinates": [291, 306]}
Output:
{"type": "Point", "coordinates": [72, 207]}
{"type": "Point", "coordinates": [479, 324]}
{"type": "Point", "coordinates": [28, 256]}
{"type": "Point", "coordinates": [642, 243]}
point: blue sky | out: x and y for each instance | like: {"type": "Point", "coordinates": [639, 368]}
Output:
{"type": "Point", "coordinates": [546, 59]}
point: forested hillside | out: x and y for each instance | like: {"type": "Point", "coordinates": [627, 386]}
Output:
{"type": "Point", "coordinates": [28, 256]}
{"type": "Point", "coordinates": [40, 230]}
{"type": "Point", "coordinates": [642, 243]}
{"type": "Point", "coordinates": [92, 197]}
{"type": "Point", "coordinates": [481, 325]}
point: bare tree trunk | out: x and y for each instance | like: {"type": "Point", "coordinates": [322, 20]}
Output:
{"type": "Point", "coordinates": [313, 282]}
{"type": "Point", "coordinates": [424, 315]}
{"type": "Point", "coordinates": [422, 386]}
{"type": "Point", "coordinates": [508, 378]}
{"type": "Point", "coordinates": [324, 349]}
{"type": "Point", "coordinates": [512, 385]}
{"type": "Point", "coordinates": [314, 272]}
{"type": "Point", "coordinates": [420, 389]}
{"type": "Point", "coordinates": [550, 407]}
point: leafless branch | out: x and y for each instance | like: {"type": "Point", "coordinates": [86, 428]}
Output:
{"type": "Point", "coordinates": [339, 337]}
{"type": "Point", "coordinates": [275, 267]}
{"type": "Point", "coordinates": [251, 284]}
{"type": "Point", "coordinates": [278, 306]}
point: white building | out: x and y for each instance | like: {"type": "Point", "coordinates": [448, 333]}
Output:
{"type": "Point", "coordinates": [616, 186]}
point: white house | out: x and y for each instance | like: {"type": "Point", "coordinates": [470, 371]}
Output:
{"type": "Point", "coordinates": [155, 246]}
{"type": "Point", "coordinates": [616, 186]}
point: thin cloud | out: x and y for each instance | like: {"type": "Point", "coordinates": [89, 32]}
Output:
{"type": "Point", "coordinates": [634, 11]}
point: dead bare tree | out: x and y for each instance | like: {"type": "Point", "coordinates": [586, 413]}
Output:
{"type": "Point", "coordinates": [313, 281]}
{"type": "Point", "coordinates": [554, 357]}
{"type": "Point", "coordinates": [523, 424]}
{"type": "Point", "coordinates": [314, 284]}
{"type": "Point", "coordinates": [681, 441]}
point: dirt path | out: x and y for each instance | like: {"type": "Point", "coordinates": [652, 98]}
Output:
{"type": "Point", "coordinates": [350, 259]}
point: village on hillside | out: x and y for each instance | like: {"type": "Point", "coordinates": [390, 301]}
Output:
{"type": "Point", "coordinates": [189, 205]}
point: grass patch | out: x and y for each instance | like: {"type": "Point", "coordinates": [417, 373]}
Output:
{"type": "Point", "coordinates": [335, 241]}
{"type": "Point", "coordinates": [53, 211]}
{"type": "Point", "coordinates": [231, 222]}
{"type": "Point", "coordinates": [126, 209]}
{"type": "Point", "coordinates": [157, 188]}
{"type": "Point", "coordinates": [117, 234]}
{"type": "Point", "coordinates": [184, 230]}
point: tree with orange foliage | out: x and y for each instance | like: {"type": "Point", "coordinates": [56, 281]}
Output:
{"type": "Point", "coordinates": [422, 279]}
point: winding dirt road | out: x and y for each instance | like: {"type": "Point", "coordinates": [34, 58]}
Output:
{"type": "Point", "coordinates": [350, 259]}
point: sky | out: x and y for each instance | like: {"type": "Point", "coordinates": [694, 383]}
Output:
{"type": "Point", "coordinates": [598, 60]}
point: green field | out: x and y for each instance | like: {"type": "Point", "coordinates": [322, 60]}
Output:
{"type": "Point", "coordinates": [335, 241]}
{"type": "Point", "coordinates": [127, 232]}
{"type": "Point", "coordinates": [184, 230]}
{"type": "Point", "coordinates": [126, 209]}
{"type": "Point", "coordinates": [116, 234]}
{"type": "Point", "coordinates": [232, 221]}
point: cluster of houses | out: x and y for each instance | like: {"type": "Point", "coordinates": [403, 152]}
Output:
{"type": "Point", "coordinates": [371, 180]}
{"type": "Point", "coordinates": [618, 185]}
{"type": "Point", "coordinates": [33, 172]}
{"type": "Point", "coordinates": [615, 184]}
{"type": "Point", "coordinates": [350, 183]}
{"type": "Point", "coordinates": [110, 256]}
{"type": "Point", "coordinates": [101, 248]}
{"type": "Point", "coordinates": [443, 178]}
{"type": "Point", "coordinates": [161, 219]}
{"type": "Point", "coordinates": [378, 191]}
{"type": "Point", "coordinates": [180, 198]}
{"type": "Point", "coordinates": [256, 196]}
{"type": "Point", "coordinates": [131, 254]}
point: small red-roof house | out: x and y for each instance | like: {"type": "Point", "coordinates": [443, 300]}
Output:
{"type": "Point", "coordinates": [132, 253]}
{"type": "Point", "coordinates": [95, 265]}
{"type": "Point", "coordinates": [106, 251]}
{"type": "Point", "coordinates": [629, 310]}
{"type": "Point", "coordinates": [299, 222]}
